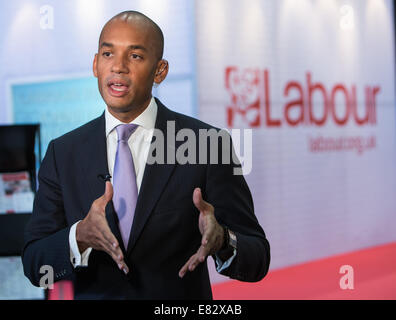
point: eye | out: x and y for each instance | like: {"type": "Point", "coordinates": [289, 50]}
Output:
{"type": "Point", "coordinates": [106, 54]}
{"type": "Point", "coordinates": [135, 56]}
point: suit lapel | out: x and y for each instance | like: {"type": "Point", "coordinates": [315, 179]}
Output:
{"type": "Point", "coordinates": [155, 178]}
{"type": "Point", "coordinates": [93, 164]}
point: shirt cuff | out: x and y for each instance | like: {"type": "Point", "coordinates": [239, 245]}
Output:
{"type": "Point", "coordinates": [220, 265]}
{"type": "Point", "coordinates": [77, 259]}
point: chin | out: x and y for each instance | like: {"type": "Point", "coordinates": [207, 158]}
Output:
{"type": "Point", "coordinates": [119, 107]}
{"type": "Point", "coordinates": [118, 104]}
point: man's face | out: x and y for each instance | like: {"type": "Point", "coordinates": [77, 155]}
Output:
{"type": "Point", "coordinates": [126, 65]}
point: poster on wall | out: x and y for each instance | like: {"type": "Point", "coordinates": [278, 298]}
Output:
{"type": "Point", "coordinates": [59, 104]}
{"type": "Point", "coordinates": [16, 195]}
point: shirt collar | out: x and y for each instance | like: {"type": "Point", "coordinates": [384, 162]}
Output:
{"type": "Point", "coordinates": [146, 119]}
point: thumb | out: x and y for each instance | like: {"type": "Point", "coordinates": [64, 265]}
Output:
{"type": "Point", "coordinates": [199, 202]}
{"type": "Point", "coordinates": [108, 194]}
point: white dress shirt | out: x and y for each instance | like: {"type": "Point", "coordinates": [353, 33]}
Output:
{"type": "Point", "coordinates": [139, 143]}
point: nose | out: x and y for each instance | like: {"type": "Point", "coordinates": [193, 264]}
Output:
{"type": "Point", "coordinates": [119, 66]}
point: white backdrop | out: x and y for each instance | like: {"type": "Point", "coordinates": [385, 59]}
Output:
{"type": "Point", "coordinates": [315, 82]}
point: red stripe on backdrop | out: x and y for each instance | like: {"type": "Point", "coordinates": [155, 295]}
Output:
{"type": "Point", "coordinates": [374, 277]}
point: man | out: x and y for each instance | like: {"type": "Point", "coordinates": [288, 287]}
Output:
{"type": "Point", "coordinates": [149, 237]}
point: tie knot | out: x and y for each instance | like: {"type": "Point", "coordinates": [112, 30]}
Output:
{"type": "Point", "coordinates": [124, 131]}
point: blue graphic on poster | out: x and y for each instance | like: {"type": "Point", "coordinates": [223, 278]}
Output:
{"type": "Point", "coordinates": [59, 106]}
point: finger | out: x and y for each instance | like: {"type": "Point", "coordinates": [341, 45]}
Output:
{"type": "Point", "coordinates": [193, 264]}
{"type": "Point", "coordinates": [122, 266]}
{"type": "Point", "coordinates": [116, 254]}
{"type": "Point", "coordinates": [194, 261]}
{"type": "Point", "coordinates": [111, 240]}
{"type": "Point", "coordinates": [198, 258]}
{"type": "Point", "coordinates": [202, 254]}
{"type": "Point", "coordinates": [114, 250]}
{"type": "Point", "coordinates": [107, 239]}
{"type": "Point", "coordinates": [109, 248]}
{"type": "Point", "coordinates": [108, 194]}
{"type": "Point", "coordinates": [199, 202]}
{"type": "Point", "coordinates": [184, 269]}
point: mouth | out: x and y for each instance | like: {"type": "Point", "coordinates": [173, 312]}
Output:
{"type": "Point", "coordinates": [118, 87]}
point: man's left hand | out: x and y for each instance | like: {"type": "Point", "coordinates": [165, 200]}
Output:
{"type": "Point", "coordinates": [212, 233]}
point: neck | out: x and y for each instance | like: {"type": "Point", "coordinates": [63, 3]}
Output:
{"type": "Point", "coordinates": [126, 116]}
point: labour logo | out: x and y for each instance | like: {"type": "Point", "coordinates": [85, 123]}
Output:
{"type": "Point", "coordinates": [243, 87]}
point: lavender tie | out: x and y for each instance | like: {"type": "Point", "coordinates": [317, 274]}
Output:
{"type": "Point", "coordinates": [124, 182]}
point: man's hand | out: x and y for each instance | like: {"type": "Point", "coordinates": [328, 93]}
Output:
{"type": "Point", "coordinates": [94, 231]}
{"type": "Point", "coordinates": [212, 233]}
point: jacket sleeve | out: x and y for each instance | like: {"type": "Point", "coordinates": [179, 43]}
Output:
{"type": "Point", "coordinates": [47, 234]}
{"type": "Point", "coordinates": [233, 204]}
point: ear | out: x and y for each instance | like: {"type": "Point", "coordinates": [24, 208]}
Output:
{"type": "Point", "coordinates": [95, 65]}
{"type": "Point", "coordinates": [161, 71]}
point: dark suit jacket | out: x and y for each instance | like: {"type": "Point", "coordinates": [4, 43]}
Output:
{"type": "Point", "coordinates": [165, 228]}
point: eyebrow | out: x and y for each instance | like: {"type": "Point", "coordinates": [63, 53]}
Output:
{"type": "Point", "coordinates": [132, 46]}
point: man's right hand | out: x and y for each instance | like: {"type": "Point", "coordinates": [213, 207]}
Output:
{"type": "Point", "coordinates": [94, 231]}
